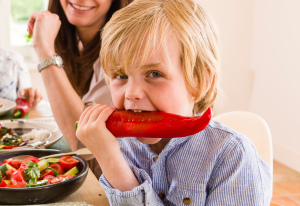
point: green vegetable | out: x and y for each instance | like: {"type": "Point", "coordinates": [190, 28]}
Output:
{"type": "Point", "coordinates": [32, 172]}
{"type": "Point", "coordinates": [4, 130]}
{"type": "Point", "coordinates": [0, 177]}
{"type": "Point", "coordinates": [55, 173]}
{"type": "Point", "coordinates": [74, 171]}
{"type": "Point", "coordinates": [53, 160]}
{"type": "Point", "coordinates": [37, 184]}
{"type": "Point", "coordinates": [5, 167]}
{"type": "Point", "coordinates": [43, 164]}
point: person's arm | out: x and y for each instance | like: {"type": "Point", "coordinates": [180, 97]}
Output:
{"type": "Point", "coordinates": [65, 103]}
{"type": "Point", "coordinates": [240, 177]}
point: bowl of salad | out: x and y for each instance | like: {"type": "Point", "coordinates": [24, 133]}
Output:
{"type": "Point", "coordinates": [34, 181]}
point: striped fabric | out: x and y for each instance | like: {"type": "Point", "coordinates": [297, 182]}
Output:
{"type": "Point", "coordinates": [217, 166]}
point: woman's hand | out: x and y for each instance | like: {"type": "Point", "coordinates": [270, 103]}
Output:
{"type": "Point", "coordinates": [44, 27]}
{"type": "Point", "coordinates": [33, 95]}
{"type": "Point", "coordinates": [92, 131]}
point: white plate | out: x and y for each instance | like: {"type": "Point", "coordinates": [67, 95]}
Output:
{"type": "Point", "coordinates": [6, 106]}
{"type": "Point", "coordinates": [56, 134]}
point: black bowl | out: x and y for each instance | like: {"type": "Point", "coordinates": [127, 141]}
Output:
{"type": "Point", "coordinates": [43, 194]}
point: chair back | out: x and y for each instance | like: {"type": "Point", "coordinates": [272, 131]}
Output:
{"type": "Point", "coordinates": [255, 128]}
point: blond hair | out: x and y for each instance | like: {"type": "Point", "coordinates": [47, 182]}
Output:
{"type": "Point", "coordinates": [134, 30]}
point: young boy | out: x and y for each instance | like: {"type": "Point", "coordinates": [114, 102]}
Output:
{"type": "Point", "coordinates": [163, 55]}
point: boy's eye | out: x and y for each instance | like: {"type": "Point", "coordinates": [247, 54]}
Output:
{"type": "Point", "coordinates": [154, 74]}
{"type": "Point", "coordinates": [118, 76]}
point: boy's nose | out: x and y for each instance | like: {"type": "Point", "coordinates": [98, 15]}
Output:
{"type": "Point", "coordinates": [134, 92]}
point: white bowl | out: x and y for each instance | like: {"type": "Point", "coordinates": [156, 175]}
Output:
{"type": "Point", "coordinates": [6, 106]}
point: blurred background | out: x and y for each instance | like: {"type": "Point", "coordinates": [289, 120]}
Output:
{"type": "Point", "coordinates": [260, 51]}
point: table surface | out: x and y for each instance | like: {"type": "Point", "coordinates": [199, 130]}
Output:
{"type": "Point", "coordinates": [91, 191]}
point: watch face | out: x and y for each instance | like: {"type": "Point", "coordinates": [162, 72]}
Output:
{"type": "Point", "coordinates": [58, 60]}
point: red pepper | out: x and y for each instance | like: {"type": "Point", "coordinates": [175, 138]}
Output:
{"type": "Point", "coordinates": [22, 107]}
{"type": "Point", "coordinates": [155, 124]}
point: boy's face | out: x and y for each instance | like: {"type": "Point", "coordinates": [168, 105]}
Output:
{"type": "Point", "coordinates": [158, 86]}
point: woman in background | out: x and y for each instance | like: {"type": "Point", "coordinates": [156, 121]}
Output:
{"type": "Point", "coordinates": [72, 30]}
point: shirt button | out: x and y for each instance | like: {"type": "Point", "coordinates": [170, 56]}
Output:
{"type": "Point", "coordinates": [186, 201]}
{"type": "Point", "coordinates": [161, 195]}
{"type": "Point", "coordinates": [155, 158]}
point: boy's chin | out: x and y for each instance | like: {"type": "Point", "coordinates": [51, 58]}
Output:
{"type": "Point", "coordinates": [145, 140]}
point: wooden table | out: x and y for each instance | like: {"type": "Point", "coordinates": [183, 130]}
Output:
{"type": "Point", "coordinates": [90, 192]}
{"type": "Point", "coordinates": [43, 109]}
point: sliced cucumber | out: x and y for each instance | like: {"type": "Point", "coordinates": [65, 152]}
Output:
{"type": "Point", "coordinates": [43, 164]}
{"type": "Point", "coordinates": [53, 160]}
{"type": "Point", "coordinates": [74, 171]}
{"type": "Point", "coordinates": [5, 167]}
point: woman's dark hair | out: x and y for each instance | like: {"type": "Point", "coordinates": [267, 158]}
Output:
{"type": "Point", "coordinates": [78, 66]}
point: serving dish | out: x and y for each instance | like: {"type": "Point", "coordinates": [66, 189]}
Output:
{"type": "Point", "coordinates": [43, 194]}
{"type": "Point", "coordinates": [22, 127]}
{"type": "Point", "coordinates": [7, 105]}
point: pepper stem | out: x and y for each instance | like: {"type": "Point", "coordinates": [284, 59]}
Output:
{"type": "Point", "coordinates": [76, 125]}
{"type": "Point", "coordinates": [18, 113]}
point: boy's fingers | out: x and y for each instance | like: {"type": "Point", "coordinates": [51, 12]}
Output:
{"type": "Point", "coordinates": [105, 114]}
{"type": "Point", "coordinates": [86, 117]}
{"type": "Point", "coordinates": [83, 115]}
{"type": "Point", "coordinates": [96, 113]}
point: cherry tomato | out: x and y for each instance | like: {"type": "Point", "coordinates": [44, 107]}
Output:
{"type": "Point", "coordinates": [68, 176]}
{"type": "Point", "coordinates": [11, 133]}
{"type": "Point", "coordinates": [14, 163]}
{"type": "Point", "coordinates": [58, 168]}
{"type": "Point", "coordinates": [8, 147]}
{"type": "Point", "coordinates": [33, 159]}
{"type": "Point", "coordinates": [56, 179]}
{"type": "Point", "coordinates": [68, 162]}
{"type": "Point", "coordinates": [1, 163]}
{"type": "Point", "coordinates": [17, 179]}
{"type": "Point", "coordinates": [45, 173]}
{"type": "Point", "coordinates": [3, 183]}
{"type": "Point", "coordinates": [48, 177]}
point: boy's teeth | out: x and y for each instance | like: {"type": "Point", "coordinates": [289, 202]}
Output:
{"type": "Point", "coordinates": [81, 7]}
{"type": "Point", "coordinates": [137, 110]}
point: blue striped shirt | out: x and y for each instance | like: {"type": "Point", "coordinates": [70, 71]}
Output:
{"type": "Point", "coordinates": [217, 166]}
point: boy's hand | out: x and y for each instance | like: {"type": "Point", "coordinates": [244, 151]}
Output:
{"type": "Point", "coordinates": [33, 96]}
{"type": "Point", "coordinates": [92, 131]}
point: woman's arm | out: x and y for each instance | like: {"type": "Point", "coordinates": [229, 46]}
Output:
{"type": "Point", "coordinates": [65, 103]}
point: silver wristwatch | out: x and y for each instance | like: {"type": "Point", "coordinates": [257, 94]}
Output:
{"type": "Point", "coordinates": [54, 60]}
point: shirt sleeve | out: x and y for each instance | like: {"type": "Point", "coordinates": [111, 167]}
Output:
{"type": "Point", "coordinates": [240, 178]}
{"type": "Point", "coordinates": [23, 74]}
{"type": "Point", "coordinates": [138, 196]}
